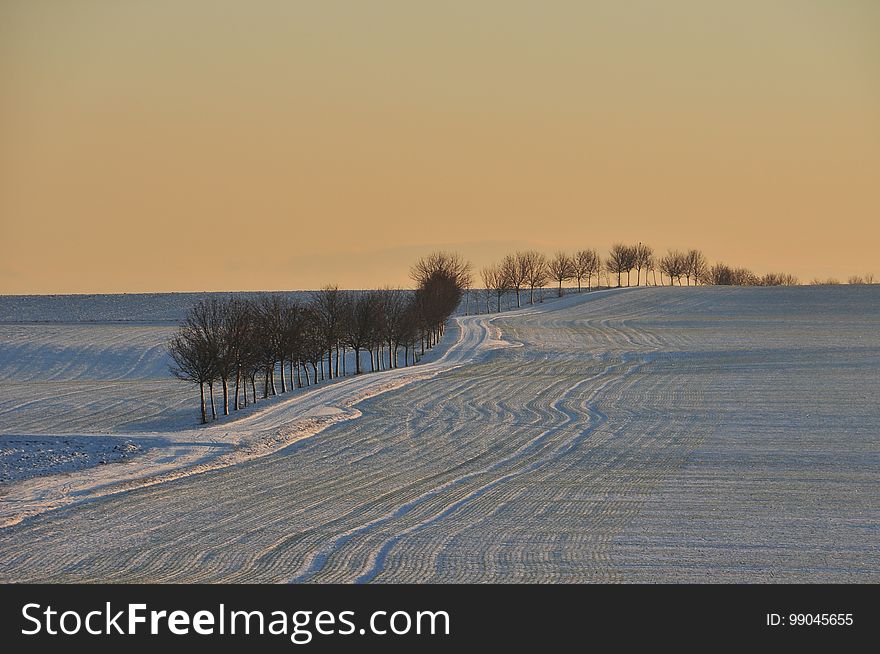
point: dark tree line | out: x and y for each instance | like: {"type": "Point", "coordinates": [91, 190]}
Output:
{"type": "Point", "coordinates": [276, 343]}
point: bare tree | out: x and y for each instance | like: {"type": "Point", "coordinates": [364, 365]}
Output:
{"type": "Point", "coordinates": [249, 362]}
{"type": "Point", "coordinates": [630, 261]}
{"type": "Point", "coordinates": [312, 347]}
{"type": "Point", "coordinates": [239, 322]}
{"type": "Point", "coordinates": [271, 310]}
{"type": "Point", "coordinates": [359, 323]}
{"type": "Point", "coordinates": [724, 275]}
{"type": "Point", "coordinates": [694, 266]}
{"type": "Point", "coordinates": [535, 265]}
{"type": "Point", "coordinates": [584, 264]}
{"type": "Point", "coordinates": [447, 264]}
{"type": "Point", "coordinates": [594, 269]}
{"type": "Point", "coordinates": [408, 331]}
{"type": "Point", "coordinates": [720, 275]}
{"type": "Point", "coordinates": [193, 361]}
{"type": "Point", "coordinates": [211, 323]}
{"type": "Point", "coordinates": [232, 326]}
{"type": "Point", "coordinates": [561, 270]}
{"type": "Point", "coordinates": [390, 315]}
{"type": "Point", "coordinates": [327, 306]}
{"type": "Point", "coordinates": [651, 267]}
{"type": "Point", "coordinates": [619, 260]}
{"type": "Point", "coordinates": [496, 281]}
{"type": "Point", "coordinates": [464, 278]}
{"type": "Point", "coordinates": [673, 265]}
{"type": "Point", "coordinates": [488, 275]}
{"type": "Point", "coordinates": [642, 256]}
{"type": "Point", "coordinates": [745, 277]}
{"type": "Point", "coordinates": [437, 298]}
{"type": "Point", "coordinates": [514, 267]}
{"type": "Point", "coordinates": [293, 323]}
{"type": "Point", "coordinates": [778, 279]}
{"type": "Point", "coordinates": [205, 320]}
{"type": "Point", "coordinates": [607, 269]}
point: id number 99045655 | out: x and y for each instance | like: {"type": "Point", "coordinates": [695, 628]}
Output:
{"type": "Point", "coordinates": [810, 619]}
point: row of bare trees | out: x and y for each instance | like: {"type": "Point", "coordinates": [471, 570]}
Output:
{"type": "Point", "coordinates": [532, 271]}
{"type": "Point", "coordinates": [867, 278]}
{"type": "Point", "coordinates": [723, 275]}
{"type": "Point", "coordinates": [271, 339]}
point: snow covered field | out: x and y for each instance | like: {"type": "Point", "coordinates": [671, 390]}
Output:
{"type": "Point", "coordinates": [671, 434]}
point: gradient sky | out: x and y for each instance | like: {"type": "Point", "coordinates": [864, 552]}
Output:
{"type": "Point", "coordinates": [158, 145]}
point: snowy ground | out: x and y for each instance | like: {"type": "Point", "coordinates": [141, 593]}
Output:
{"type": "Point", "coordinates": [672, 434]}
{"type": "Point", "coordinates": [23, 457]}
{"type": "Point", "coordinates": [105, 373]}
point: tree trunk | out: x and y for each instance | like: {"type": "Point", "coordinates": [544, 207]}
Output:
{"type": "Point", "coordinates": [225, 381]}
{"type": "Point", "coordinates": [254, 385]}
{"type": "Point", "coordinates": [237, 382]}
{"type": "Point", "coordinates": [211, 393]}
{"type": "Point", "coordinates": [283, 385]}
{"type": "Point", "coordinates": [202, 396]}
{"type": "Point", "coordinates": [357, 360]}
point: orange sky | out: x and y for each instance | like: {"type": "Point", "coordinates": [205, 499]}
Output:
{"type": "Point", "coordinates": [160, 145]}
